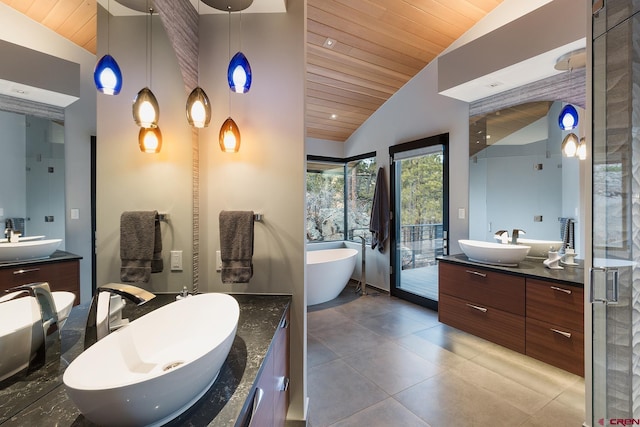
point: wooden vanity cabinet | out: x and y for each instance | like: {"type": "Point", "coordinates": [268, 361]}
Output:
{"type": "Point", "coordinates": [483, 302]}
{"type": "Point", "coordinates": [63, 275]}
{"type": "Point", "coordinates": [555, 324]}
{"type": "Point", "coordinates": [540, 318]}
{"type": "Point", "coordinates": [270, 395]}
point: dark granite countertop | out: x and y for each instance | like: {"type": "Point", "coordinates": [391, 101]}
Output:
{"type": "Point", "coordinates": [57, 256]}
{"type": "Point", "coordinates": [570, 275]}
{"type": "Point", "coordinates": [40, 398]}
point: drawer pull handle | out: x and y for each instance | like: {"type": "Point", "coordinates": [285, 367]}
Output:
{"type": "Point", "coordinates": [566, 291]}
{"type": "Point", "coordinates": [476, 273]}
{"type": "Point", "coordinates": [476, 307]}
{"type": "Point", "coordinates": [563, 333]}
{"type": "Point", "coordinates": [31, 270]}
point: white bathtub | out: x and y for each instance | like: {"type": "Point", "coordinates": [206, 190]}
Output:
{"type": "Point", "coordinates": [328, 272]}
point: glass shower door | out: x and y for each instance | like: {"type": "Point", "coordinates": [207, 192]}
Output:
{"type": "Point", "coordinates": [614, 285]}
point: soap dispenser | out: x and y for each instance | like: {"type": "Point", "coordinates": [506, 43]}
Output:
{"type": "Point", "coordinates": [553, 260]}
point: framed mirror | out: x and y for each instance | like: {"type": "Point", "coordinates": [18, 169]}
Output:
{"type": "Point", "coordinates": [518, 177]}
{"type": "Point", "coordinates": [32, 170]}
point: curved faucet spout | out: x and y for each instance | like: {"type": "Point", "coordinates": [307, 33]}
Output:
{"type": "Point", "coordinates": [45, 345]}
{"type": "Point", "coordinates": [137, 295]}
{"type": "Point", "coordinates": [515, 234]}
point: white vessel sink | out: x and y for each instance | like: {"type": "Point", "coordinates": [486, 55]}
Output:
{"type": "Point", "coordinates": [24, 239]}
{"type": "Point", "coordinates": [17, 319]}
{"type": "Point", "coordinates": [494, 253]}
{"type": "Point", "coordinates": [26, 250]}
{"type": "Point", "coordinates": [540, 248]}
{"type": "Point", "coordinates": [158, 366]}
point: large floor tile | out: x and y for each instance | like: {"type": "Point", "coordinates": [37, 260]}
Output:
{"type": "Point", "coordinates": [337, 391]}
{"type": "Point", "coordinates": [447, 400]}
{"type": "Point", "coordinates": [392, 367]}
{"type": "Point", "coordinates": [349, 338]}
{"type": "Point", "coordinates": [318, 353]}
{"type": "Point", "coordinates": [557, 415]}
{"type": "Point", "coordinates": [393, 325]}
{"type": "Point", "coordinates": [456, 341]}
{"type": "Point", "coordinates": [384, 414]}
{"type": "Point", "coordinates": [537, 375]}
{"type": "Point", "coordinates": [518, 395]}
{"type": "Point", "coordinates": [325, 319]}
{"type": "Point", "coordinates": [430, 351]}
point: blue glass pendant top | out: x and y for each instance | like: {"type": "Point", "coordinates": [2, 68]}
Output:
{"type": "Point", "coordinates": [239, 73]}
{"type": "Point", "coordinates": [107, 76]}
{"type": "Point", "coordinates": [568, 118]}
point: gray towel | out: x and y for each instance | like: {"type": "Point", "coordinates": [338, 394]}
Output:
{"type": "Point", "coordinates": [379, 220]}
{"type": "Point", "coordinates": [140, 246]}
{"type": "Point", "coordinates": [236, 246]}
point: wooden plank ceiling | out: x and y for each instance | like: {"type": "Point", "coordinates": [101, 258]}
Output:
{"type": "Point", "coordinates": [378, 45]}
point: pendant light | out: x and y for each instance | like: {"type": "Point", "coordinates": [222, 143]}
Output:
{"type": "Point", "coordinates": [239, 71]}
{"type": "Point", "coordinates": [229, 136]}
{"type": "Point", "coordinates": [568, 118]}
{"type": "Point", "coordinates": [198, 105]}
{"type": "Point", "coordinates": [146, 110]}
{"type": "Point", "coordinates": [107, 75]}
{"type": "Point", "coordinates": [570, 145]}
{"type": "Point", "coordinates": [150, 140]}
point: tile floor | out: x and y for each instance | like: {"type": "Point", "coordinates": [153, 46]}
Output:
{"type": "Point", "coordinates": [381, 361]}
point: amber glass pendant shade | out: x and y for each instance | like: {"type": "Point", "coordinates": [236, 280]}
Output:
{"type": "Point", "coordinates": [198, 108]}
{"type": "Point", "coordinates": [150, 140]}
{"type": "Point", "coordinates": [229, 136]}
{"type": "Point", "coordinates": [146, 110]}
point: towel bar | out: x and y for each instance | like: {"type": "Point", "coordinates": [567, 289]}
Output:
{"type": "Point", "coordinates": [164, 217]}
{"type": "Point", "coordinates": [257, 217]}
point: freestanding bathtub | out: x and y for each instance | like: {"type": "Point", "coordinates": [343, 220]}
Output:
{"type": "Point", "coordinates": [328, 272]}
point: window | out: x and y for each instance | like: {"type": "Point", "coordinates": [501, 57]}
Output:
{"type": "Point", "coordinates": [339, 197]}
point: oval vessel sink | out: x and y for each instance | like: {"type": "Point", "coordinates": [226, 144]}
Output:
{"type": "Point", "coordinates": [17, 319]}
{"type": "Point", "coordinates": [493, 253]}
{"type": "Point", "coordinates": [32, 249]}
{"type": "Point", "coordinates": [158, 366]}
{"type": "Point", "coordinates": [540, 248]}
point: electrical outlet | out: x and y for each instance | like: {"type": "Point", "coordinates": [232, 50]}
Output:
{"type": "Point", "coordinates": [218, 261]}
{"type": "Point", "coordinates": [176, 260]}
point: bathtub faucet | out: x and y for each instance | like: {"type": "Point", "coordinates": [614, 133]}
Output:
{"type": "Point", "coordinates": [95, 329]}
{"type": "Point", "coordinates": [362, 286]}
{"type": "Point", "coordinates": [45, 343]}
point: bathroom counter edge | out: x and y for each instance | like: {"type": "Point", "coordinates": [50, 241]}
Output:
{"type": "Point", "coordinates": [570, 275]}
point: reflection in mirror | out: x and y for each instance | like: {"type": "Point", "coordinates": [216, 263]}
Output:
{"type": "Point", "coordinates": [32, 170]}
{"type": "Point", "coordinates": [518, 177]}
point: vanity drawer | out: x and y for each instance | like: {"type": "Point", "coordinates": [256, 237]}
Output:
{"type": "Point", "coordinates": [558, 346]}
{"type": "Point", "coordinates": [495, 325]}
{"type": "Point", "coordinates": [556, 303]}
{"type": "Point", "coordinates": [61, 276]}
{"type": "Point", "coordinates": [483, 287]}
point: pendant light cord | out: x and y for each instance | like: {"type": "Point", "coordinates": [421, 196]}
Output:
{"type": "Point", "coordinates": [229, 58]}
{"type": "Point", "coordinates": [150, 44]}
{"type": "Point", "coordinates": [108, 15]}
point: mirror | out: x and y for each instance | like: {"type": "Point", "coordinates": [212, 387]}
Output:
{"type": "Point", "coordinates": [32, 171]}
{"type": "Point", "coordinates": [518, 177]}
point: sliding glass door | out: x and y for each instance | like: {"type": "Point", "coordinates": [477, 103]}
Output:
{"type": "Point", "coordinates": [419, 193]}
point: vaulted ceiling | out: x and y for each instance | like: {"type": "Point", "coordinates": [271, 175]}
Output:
{"type": "Point", "coordinates": [359, 52]}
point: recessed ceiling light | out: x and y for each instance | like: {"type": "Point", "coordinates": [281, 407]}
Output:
{"type": "Point", "coordinates": [19, 91]}
{"type": "Point", "coordinates": [495, 84]}
{"type": "Point", "coordinates": [329, 43]}
{"type": "Point", "coordinates": [333, 116]}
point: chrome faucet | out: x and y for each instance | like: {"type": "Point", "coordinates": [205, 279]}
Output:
{"type": "Point", "coordinates": [9, 230]}
{"type": "Point", "coordinates": [503, 235]}
{"type": "Point", "coordinates": [515, 234]}
{"type": "Point", "coordinates": [92, 332]}
{"type": "Point", "coordinates": [45, 342]}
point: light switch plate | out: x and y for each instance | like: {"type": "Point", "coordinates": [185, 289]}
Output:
{"type": "Point", "coordinates": [461, 213]}
{"type": "Point", "coordinates": [75, 213]}
{"type": "Point", "coordinates": [218, 261]}
{"type": "Point", "coordinates": [176, 260]}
